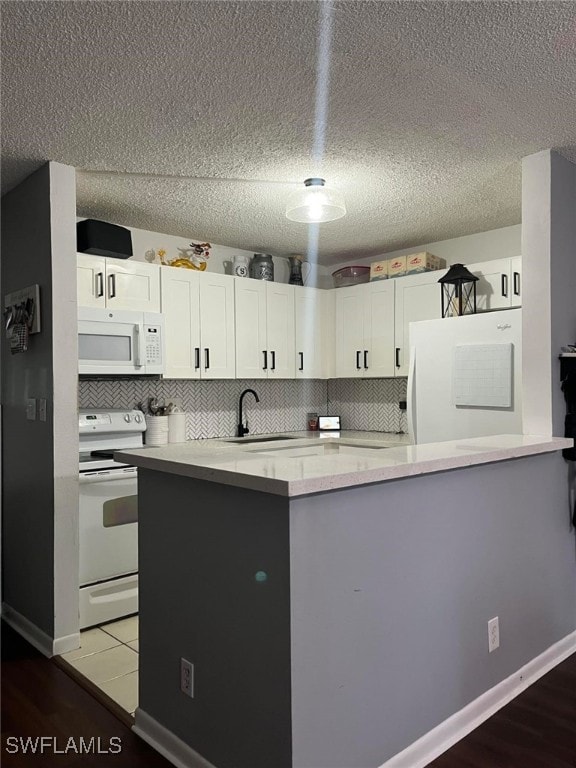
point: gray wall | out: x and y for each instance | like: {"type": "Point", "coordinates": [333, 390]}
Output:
{"type": "Point", "coordinates": [392, 587]}
{"type": "Point", "coordinates": [563, 272]}
{"type": "Point", "coordinates": [200, 546]}
{"type": "Point", "coordinates": [548, 285]}
{"type": "Point", "coordinates": [28, 470]}
{"type": "Point", "coordinates": [39, 480]}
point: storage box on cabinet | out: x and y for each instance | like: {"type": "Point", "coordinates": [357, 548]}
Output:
{"type": "Point", "coordinates": [115, 284]}
{"type": "Point", "coordinates": [364, 336]}
{"type": "Point", "coordinates": [198, 309]}
{"type": "Point", "coordinates": [265, 347]}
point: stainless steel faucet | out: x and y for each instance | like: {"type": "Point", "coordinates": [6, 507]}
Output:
{"type": "Point", "coordinates": [243, 430]}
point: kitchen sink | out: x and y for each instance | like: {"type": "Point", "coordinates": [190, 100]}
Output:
{"type": "Point", "coordinates": [253, 440]}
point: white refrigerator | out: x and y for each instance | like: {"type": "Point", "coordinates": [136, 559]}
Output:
{"type": "Point", "coordinates": [465, 377]}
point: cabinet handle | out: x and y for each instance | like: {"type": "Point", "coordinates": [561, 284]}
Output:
{"type": "Point", "coordinates": [516, 276]}
{"type": "Point", "coordinates": [397, 353]}
{"type": "Point", "coordinates": [273, 366]}
{"type": "Point", "coordinates": [196, 357]}
{"type": "Point", "coordinates": [111, 286]}
{"type": "Point", "coordinates": [99, 284]}
{"type": "Point", "coordinates": [358, 353]}
{"type": "Point", "coordinates": [206, 358]}
{"type": "Point", "coordinates": [265, 366]}
{"type": "Point", "coordinates": [301, 361]}
{"type": "Point", "coordinates": [505, 285]}
{"type": "Point", "coordinates": [365, 358]}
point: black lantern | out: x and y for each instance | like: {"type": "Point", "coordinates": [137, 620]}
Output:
{"type": "Point", "coordinates": [458, 291]}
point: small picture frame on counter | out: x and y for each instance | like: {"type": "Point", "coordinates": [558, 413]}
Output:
{"type": "Point", "coordinates": [329, 423]}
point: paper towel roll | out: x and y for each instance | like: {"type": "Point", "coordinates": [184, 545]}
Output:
{"type": "Point", "coordinates": [177, 427]}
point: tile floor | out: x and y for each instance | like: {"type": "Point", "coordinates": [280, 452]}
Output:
{"type": "Point", "coordinates": [108, 656]}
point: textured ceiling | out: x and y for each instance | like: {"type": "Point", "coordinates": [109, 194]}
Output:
{"type": "Point", "coordinates": [432, 105]}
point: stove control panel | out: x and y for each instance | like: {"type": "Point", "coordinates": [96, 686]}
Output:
{"type": "Point", "coordinates": [110, 421]}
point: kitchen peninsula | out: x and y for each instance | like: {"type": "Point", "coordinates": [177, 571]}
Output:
{"type": "Point", "coordinates": [333, 593]}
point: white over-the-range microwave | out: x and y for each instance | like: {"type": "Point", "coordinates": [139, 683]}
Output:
{"type": "Point", "coordinates": [120, 342]}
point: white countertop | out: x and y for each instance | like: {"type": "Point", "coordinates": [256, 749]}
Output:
{"type": "Point", "coordinates": [313, 462]}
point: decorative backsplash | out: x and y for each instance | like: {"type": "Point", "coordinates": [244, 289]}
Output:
{"type": "Point", "coordinates": [369, 404]}
{"type": "Point", "coordinates": [211, 406]}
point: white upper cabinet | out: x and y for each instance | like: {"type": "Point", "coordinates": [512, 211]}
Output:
{"type": "Point", "coordinates": [499, 286]}
{"type": "Point", "coordinates": [280, 330]}
{"type": "Point", "coordinates": [251, 349]}
{"type": "Point", "coordinates": [118, 284]}
{"type": "Point", "coordinates": [516, 281]}
{"type": "Point", "coordinates": [314, 332]}
{"type": "Point", "coordinates": [264, 329]}
{"type": "Point", "coordinates": [198, 309]}
{"type": "Point", "coordinates": [349, 337]}
{"type": "Point", "coordinates": [418, 297]}
{"type": "Point", "coordinates": [365, 330]}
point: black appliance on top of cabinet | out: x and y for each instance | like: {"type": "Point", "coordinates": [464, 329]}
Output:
{"type": "Point", "coordinates": [101, 238]}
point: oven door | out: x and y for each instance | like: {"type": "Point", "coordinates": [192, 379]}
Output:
{"type": "Point", "coordinates": [108, 528]}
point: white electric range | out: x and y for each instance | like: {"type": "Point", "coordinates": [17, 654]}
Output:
{"type": "Point", "coordinates": [108, 515]}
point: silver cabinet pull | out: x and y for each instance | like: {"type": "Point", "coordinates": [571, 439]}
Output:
{"type": "Point", "coordinates": [111, 286]}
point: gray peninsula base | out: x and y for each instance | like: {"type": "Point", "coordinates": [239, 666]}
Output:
{"type": "Point", "coordinates": [333, 630]}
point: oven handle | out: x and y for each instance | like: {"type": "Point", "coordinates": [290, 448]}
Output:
{"type": "Point", "coordinates": [108, 475]}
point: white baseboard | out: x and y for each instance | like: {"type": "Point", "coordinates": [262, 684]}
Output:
{"type": "Point", "coordinates": [164, 741]}
{"type": "Point", "coordinates": [439, 739]}
{"type": "Point", "coordinates": [37, 637]}
{"type": "Point", "coordinates": [66, 643]}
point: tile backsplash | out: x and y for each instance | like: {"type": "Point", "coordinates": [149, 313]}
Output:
{"type": "Point", "coordinates": [369, 404]}
{"type": "Point", "coordinates": [212, 406]}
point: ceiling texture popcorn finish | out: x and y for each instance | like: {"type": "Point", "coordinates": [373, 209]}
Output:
{"type": "Point", "coordinates": [431, 107]}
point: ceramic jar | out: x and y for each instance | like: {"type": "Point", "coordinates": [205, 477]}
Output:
{"type": "Point", "coordinates": [240, 265]}
{"type": "Point", "coordinates": [295, 270]}
{"type": "Point", "coordinates": [262, 267]}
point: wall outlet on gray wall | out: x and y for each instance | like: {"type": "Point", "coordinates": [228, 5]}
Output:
{"type": "Point", "coordinates": [493, 634]}
{"type": "Point", "coordinates": [187, 677]}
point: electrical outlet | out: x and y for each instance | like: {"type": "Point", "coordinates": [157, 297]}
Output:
{"type": "Point", "coordinates": [493, 634]}
{"type": "Point", "coordinates": [31, 409]}
{"type": "Point", "coordinates": [187, 677]}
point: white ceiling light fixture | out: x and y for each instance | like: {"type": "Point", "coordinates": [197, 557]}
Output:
{"type": "Point", "coordinates": [315, 204]}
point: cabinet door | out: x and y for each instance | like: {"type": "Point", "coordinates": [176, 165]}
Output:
{"type": "Point", "coordinates": [349, 342]}
{"type": "Point", "coordinates": [494, 288]}
{"type": "Point", "coordinates": [378, 351]}
{"type": "Point", "coordinates": [308, 308]}
{"type": "Point", "coordinates": [181, 310]}
{"type": "Point", "coordinates": [418, 297]}
{"type": "Point", "coordinates": [90, 276]}
{"type": "Point", "coordinates": [516, 281]}
{"type": "Point", "coordinates": [280, 330]}
{"type": "Point", "coordinates": [217, 326]}
{"type": "Point", "coordinates": [250, 313]}
{"type": "Point", "coordinates": [133, 285]}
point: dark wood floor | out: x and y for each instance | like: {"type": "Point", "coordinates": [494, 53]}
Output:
{"type": "Point", "coordinates": [536, 730]}
{"type": "Point", "coordinates": [40, 699]}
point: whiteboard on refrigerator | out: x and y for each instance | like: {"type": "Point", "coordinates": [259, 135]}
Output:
{"type": "Point", "coordinates": [482, 375]}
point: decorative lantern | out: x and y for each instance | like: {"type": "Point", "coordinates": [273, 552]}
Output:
{"type": "Point", "coordinates": [458, 287]}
